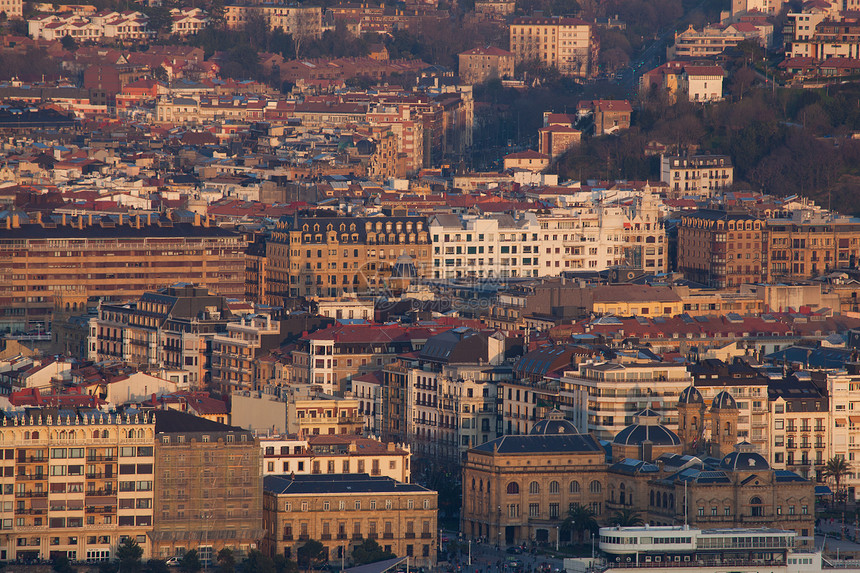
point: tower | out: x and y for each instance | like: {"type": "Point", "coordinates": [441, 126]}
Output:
{"type": "Point", "coordinates": [724, 424]}
{"type": "Point", "coordinates": [691, 419]}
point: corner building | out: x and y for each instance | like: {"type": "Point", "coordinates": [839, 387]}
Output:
{"type": "Point", "coordinates": [75, 484]}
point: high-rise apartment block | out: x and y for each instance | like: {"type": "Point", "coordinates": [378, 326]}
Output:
{"type": "Point", "coordinates": [562, 43]}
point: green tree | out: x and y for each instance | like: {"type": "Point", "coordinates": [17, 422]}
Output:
{"type": "Point", "coordinates": [369, 551]}
{"type": "Point", "coordinates": [580, 520]}
{"type": "Point", "coordinates": [190, 562]}
{"type": "Point", "coordinates": [108, 567]}
{"type": "Point", "coordinates": [837, 468]}
{"type": "Point", "coordinates": [257, 562]}
{"type": "Point", "coordinates": [62, 564]}
{"type": "Point", "coordinates": [69, 43]}
{"type": "Point", "coordinates": [156, 566]}
{"type": "Point", "coordinates": [626, 518]}
{"type": "Point", "coordinates": [129, 553]}
{"type": "Point", "coordinates": [284, 565]}
{"type": "Point", "coordinates": [226, 561]}
{"type": "Point", "coordinates": [311, 554]}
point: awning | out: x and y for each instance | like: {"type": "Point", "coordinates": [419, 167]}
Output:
{"type": "Point", "coordinates": [841, 421]}
{"type": "Point", "coordinates": [823, 490]}
{"type": "Point", "coordinates": [378, 567]}
{"type": "Point", "coordinates": [854, 419]}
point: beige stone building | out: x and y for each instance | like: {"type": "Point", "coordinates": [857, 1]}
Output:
{"type": "Point", "coordinates": [720, 248]}
{"type": "Point", "coordinates": [329, 256]}
{"type": "Point", "coordinates": [479, 65]}
{"type": "Point", "coordinates": [75, 485]}
{"type": "Point", "coordinates": [343, 510]}
{"type": "Point", "coordinates": [208, 494]}
{"type": "Point", "coordinates": [559, 42]}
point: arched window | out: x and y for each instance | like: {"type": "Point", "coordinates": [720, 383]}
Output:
{"type": "Point", "coordinates": [671, 500]}
{"type": "Point", "coordinates": [594, 487]}
{"type": "Point", "coordinates": [72, 434]}
{"type": "Point", "coordinates": [35, 435]}
{"type": "Point", "coordinates": [95, 433]}
{"type": "Point", "coordinates": [622, 496]}
{"type": "Point", "coordinates": [105, 433]}
{"type": "Point", "coordinates": [140, 433]}
{"type": "Point", "coordinates": [473, 484]}
{"type": "Point", "coordinates": [756, 509]}
{"type": "Point", "coordinates": [665, 499]}
{"type": "Point", "coordinates": [553, 487]}
{"type": "Point", "coordinates": [534, 487]}
{"type": "Point", "coordinates": [574, 486]}
{"type": "Point", "coordinates": [513, 488]}
{"type": "Point", "coordinates": [651, 498]}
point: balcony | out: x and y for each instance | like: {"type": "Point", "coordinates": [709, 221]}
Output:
{"type": "Point", "coordinates": [388, 535]}
{"type": "Point", "coordinates": [357, 537]}
{"type": "Point", "coordinates": [39, 477]}
{"type": "Point", "coordinates": [324, 536]}
{"type": "Point", "coordinates": [290, 537]}
{"type": "Point", "coordinates": [304, 537]}
{"type": "Point", "coordinates": [409, 535]}
{"type": "Point", "coordinates": [426, 535]}
{"type": "Point", "coordinates": [341, 535]}
{"type": "Point", "coordinates": [31, 494]}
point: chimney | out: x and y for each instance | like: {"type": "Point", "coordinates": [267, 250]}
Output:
{"type": "Point", "coordinates": [38, 217]}
{"type": "Point", "coordinates": [64, 219]}
{"type": "Point", "coordinates": [80, 221]}
{"type": "Point", "coordinates": [148, 219]}
{"type": "Point", "coordinates": [16, 224]}
{"type": "Point", "coordinates": [120, 219]}
{"type": "Point", "coordinates": [137, 221]}
{"type": "Point", "coordinates": [90, 222]}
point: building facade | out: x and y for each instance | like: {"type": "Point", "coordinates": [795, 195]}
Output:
{"type": "Point", "coordinates": [697, 174]}
{"type": "Point", "coordinates": [479, 65]}
{"type": "Point", "coordinates": [558, 42]}
{"type": "Point", "coordinates": [343, 510]}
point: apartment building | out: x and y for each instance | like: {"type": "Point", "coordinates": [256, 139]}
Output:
{"type": "Point", "coordinates": [697, 174]}
{"type": "Point", "coordinates": [236, 349]}
{"type": "Point", "coordinates": [560, 42]}
{"type": "Point", "coordinates": [335, 454]}
{"type": "Point", "coordinates": [329, 256]}
{"type": "Point", "coordinates": [329, 358]}
{"type": "Point", "coordinates": [187, 21]}
{"type": "Point", "coordinates": [720, 248]}
{"type": "Point", "coordinates": [122, 26]}
{"type": "Point", "coordinates": [294, 20]}
{"type": "Point", "coordinates": [208, 493]}
{"type": "Point", "coordinates": [809, 243]}
{"type": "Point", "coordinates": [479, 65]}
{"type": "Point", "coordinates": [76, 484]}
{"type": "Point", "coordinates": [171, 328]}
{"type": "Point", "coordinates": [118, 258]}
{"type": "Point", "coordinates": [483, 247]}
{"type": "Point", "coordinates": [800, 30]}
{"type": "Point", "coordinates": [12, 8]}
{"type": "Point", "coordinates": [836, 38]}
{"type": "Point", "coordinates": [711, 41]}
{"type": "Point", "coordinates": [453, 388]}
{"type": "Point", "coordinates": [604, 396]}
{"type": "Point", "coordinates": [343, 510]}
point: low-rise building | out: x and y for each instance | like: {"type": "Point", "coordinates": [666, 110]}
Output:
{"type": "Point", "coordinates": [697, 174]}
{"type": "Point", "coordinates": [343, 510]}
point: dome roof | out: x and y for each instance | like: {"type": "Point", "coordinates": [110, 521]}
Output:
{"type": "Point", "coordinates": [646, 427]}
{"type": "Point", "coordinates": [554, 424]}
{"type": "Point", "coordinates": [744, 459]}
{"type": "Point", "coordinates": [404, 266]}
{"type": "Point", "coordinates": [690, 395]}
{"type": "Point", "coordinates": [724, 401]}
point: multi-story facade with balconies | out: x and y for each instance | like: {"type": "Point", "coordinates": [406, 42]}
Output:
{"type": "Point", "coordinates": [75, 484]}
{"type": "Point", "coordinates": [496, 246]}
{"type": "Point", "coordinates": [604, 397]}
{"type": "Point", "coordinates": [234, 352]}
{"type": "Point", "coordinates": [697, 174]}
{"type": "Point", "coordinates": [558, 42]}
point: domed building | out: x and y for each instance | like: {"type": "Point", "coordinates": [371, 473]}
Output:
{"type": "Point", "coordinates": [711, 430]}
{"type": "Point", "coordinates": [554, 424]}
{"type": "Point", "coordinates": [645, 439]}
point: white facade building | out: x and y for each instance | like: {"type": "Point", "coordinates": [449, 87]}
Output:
{"type": "Point", "coordinates": [484, 247]}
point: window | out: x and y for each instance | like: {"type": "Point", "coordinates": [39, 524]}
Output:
{"type": "Point", "coordinates": [553, 487]}
{"type": "Point", "coordinates": [574, 487]}
{"type": "Point", "coordinates": [513, 488]}
{"type": "Point", "coordinates": [534, 488]}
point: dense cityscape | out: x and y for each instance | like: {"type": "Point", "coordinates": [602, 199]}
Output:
{"type": "Point", "coordinates": [490, 286]}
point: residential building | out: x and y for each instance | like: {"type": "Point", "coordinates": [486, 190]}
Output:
{"type": "Point", "coordinates": [560, 42]}
{"type": "Point", "coordinates": [697, 174]}
{"type": "Point", "coordinates": [80, 481]}
{"type": "Point", "coordinates": [530, 160]}
{"type": "Point", "coordinates": [317, 413]}
{"type": "Point", "coordinates": [329, 358]}
{"type": "Point", "coordinates": [295, 20]}
{"type": "Point", "coordinates": [187, 21]}
{"type": "Point", "coordinates": [330, 256]}
{"type": "Point", "coordinates": [492, 246]}
{"type": "Point", "coordinates": [335, 454]}
{"type": "Point", "coordinates": [479, 65]}
{"type": "Point", "coordinates": [171, 328]}
{"type": "Point", "coordinates": [557, 135]}
{"type": "Point", "coordinates": [603, 396]}
{"type": "Point", "coordinates": [808, 243]}
{"type": "Point", "coordinates": [97, 256]}
{"type": "Point", "coordinates": [12, 8]}
{"type": "Point", "coordinates": [235, 351]}
{"type": "Point", "coordinates": [208, 493]}
{"type": "Point", "coordinates": [608, 115]}
{"type": "Point", "coordinates": [342, 510]}
{"type": "Point", "coordinates": [703, 83]}
{"type": "Point", "coordinates": [709, 42]}
{"type": "Point", "coordinates": [720, 248]}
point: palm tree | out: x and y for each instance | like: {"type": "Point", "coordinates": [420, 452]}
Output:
{"type": "Point", "coordinates": [579, 519]}
{"type": "Point", "coordinates": [837, 468]}
{"type": "Point", "coordinates": [626, 518]}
